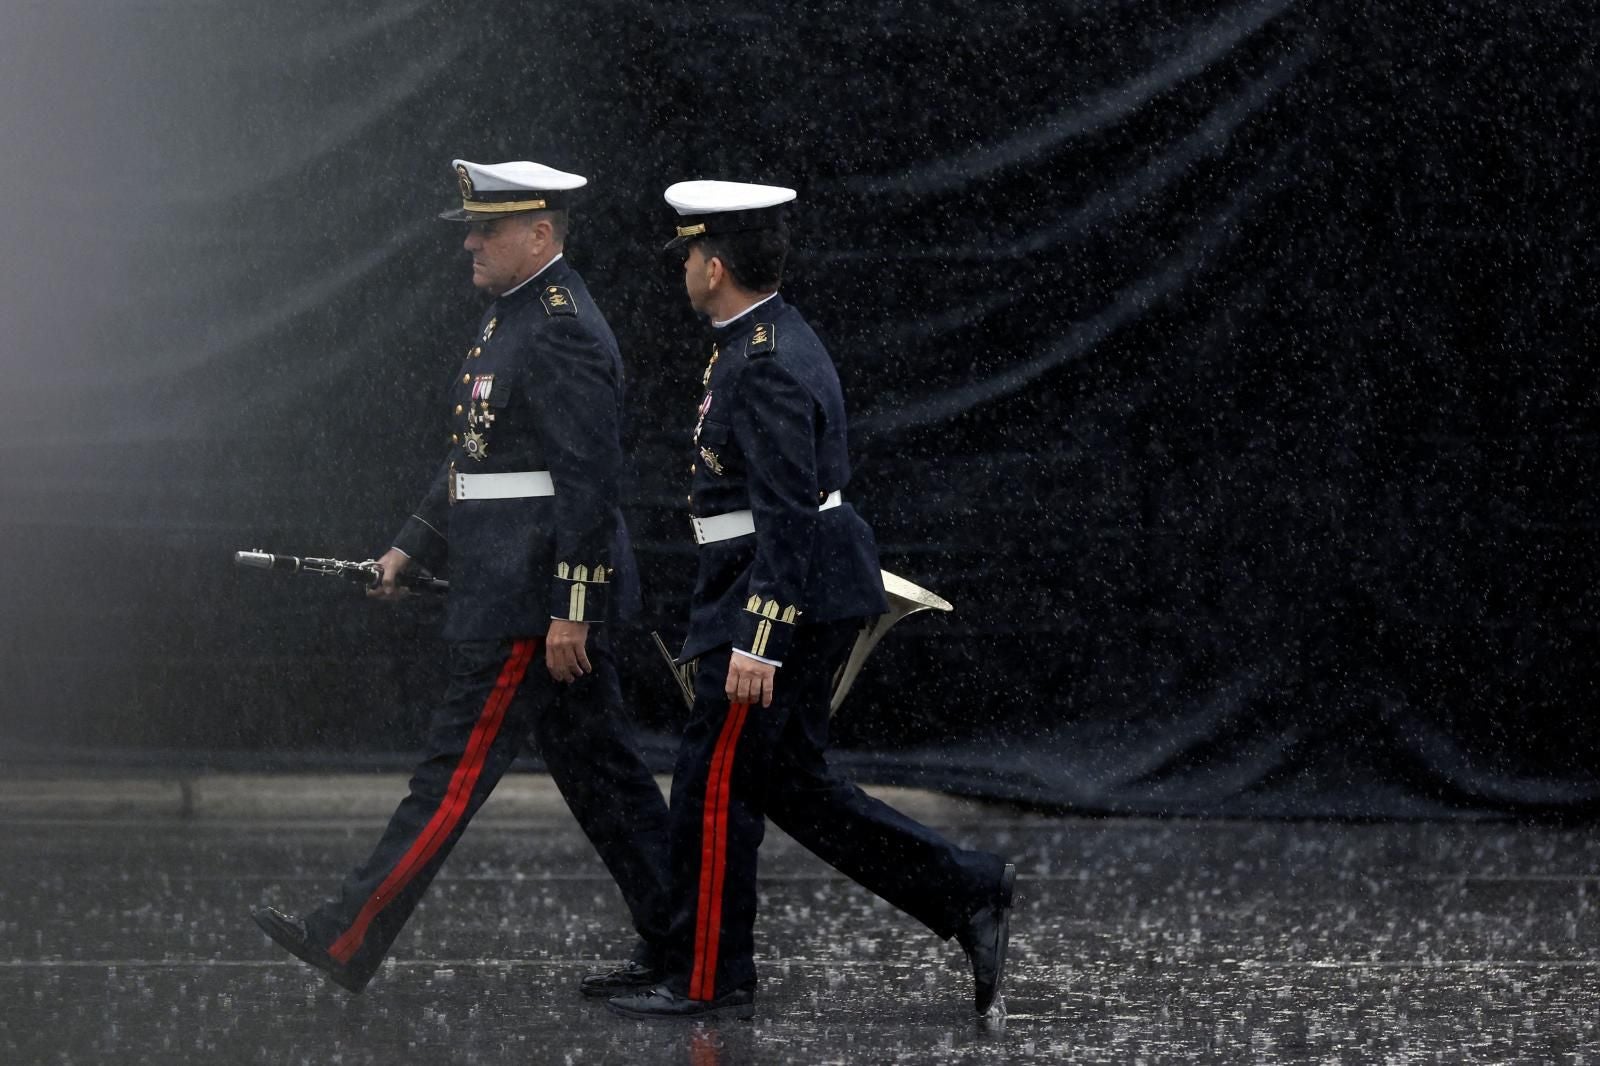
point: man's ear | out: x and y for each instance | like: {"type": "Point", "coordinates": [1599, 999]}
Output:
{"type": "Point", "coordinates": [543, 231]}
{"type": "Point", "coordinates": [716, 270]}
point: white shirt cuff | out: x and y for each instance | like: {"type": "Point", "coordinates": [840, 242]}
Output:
{"type": "Point", "coordinates": [757, 658]}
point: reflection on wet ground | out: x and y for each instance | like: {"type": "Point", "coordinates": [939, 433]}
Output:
{"type": "Point", "coordinates": [127, 938]}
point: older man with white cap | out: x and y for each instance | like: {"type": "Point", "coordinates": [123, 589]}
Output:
{"type": "Point", "coordinates": [788, 572]}
{"type": "Point", "coordinates": [524, 510]}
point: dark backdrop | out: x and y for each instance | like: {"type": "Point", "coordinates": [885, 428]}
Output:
{"type": "Point", "coordinates": [1226, 369]}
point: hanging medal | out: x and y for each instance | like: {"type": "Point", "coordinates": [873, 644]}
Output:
{"type": "Point", "coordinates": [705, 405]}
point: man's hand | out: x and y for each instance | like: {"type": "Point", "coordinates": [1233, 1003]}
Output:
{"type": "Point", "coordinates": [393, 564]}
{"type": "Point", "coordinates": [564, 653]}
{"type": "Point", "coordinates": [749, 680]}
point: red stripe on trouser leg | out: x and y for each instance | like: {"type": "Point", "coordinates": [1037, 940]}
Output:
{"type": "Point", "coordinates": [454, 805]}
{"type": "Point", "coordinates": [714, 933]}
{"type": "Point", "coordinates": [714, 855]}
{"type": "Point", "coordinates": [708, 911]}
{"type": "Point", "coordinates": [708, 850]}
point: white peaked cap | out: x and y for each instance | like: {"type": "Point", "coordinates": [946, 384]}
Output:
{"type": "Point", "coordinates": [713, 207]}
{"type": "Point", "coordinates": [490, 190]}
{"type": "Point", "coordinates": [708, 197]}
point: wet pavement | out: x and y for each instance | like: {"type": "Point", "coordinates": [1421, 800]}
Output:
{"type": "Point", "coordinates": [125, 937]}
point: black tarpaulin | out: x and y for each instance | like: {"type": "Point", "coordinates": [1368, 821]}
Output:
{"type": "Point", "coordinates": [1225, 367]}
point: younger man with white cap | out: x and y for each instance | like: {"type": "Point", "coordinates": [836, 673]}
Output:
{"type": "Point", "coordinates": [788, 571]}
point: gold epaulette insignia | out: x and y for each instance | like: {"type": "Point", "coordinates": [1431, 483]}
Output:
{"type": "Point", "coordinates": [558, 301]}
{"type": "Point", "coordinates": [763, 341]}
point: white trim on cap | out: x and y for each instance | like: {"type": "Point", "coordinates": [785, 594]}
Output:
{"type": "Point", "coordinates": [711, 197]}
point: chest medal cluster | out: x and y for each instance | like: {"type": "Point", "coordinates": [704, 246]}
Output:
{"type": "Point", "coordinates": [710, 458]}
{"type": "Point", "coordinates": [479, 418]}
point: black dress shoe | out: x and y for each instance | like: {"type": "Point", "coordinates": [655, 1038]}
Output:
{"type": "Point", "coordinates": [290, 934]}
{"type": "Point", "coordinates": [662, 1002]}
{"type": "Point", "coordinates": [986, 936]}
{"type": "Point", "coordinates": [631, 976]}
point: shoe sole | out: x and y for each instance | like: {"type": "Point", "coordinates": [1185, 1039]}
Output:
{"type": "Point", "coordinates": [303, 952]}
{"type": "Point", "coordinates": [616, 990]}
{"type": "Point", "coordinates": [1008, 887]}
{"type": "Point", "coordinates": [741, 1012]}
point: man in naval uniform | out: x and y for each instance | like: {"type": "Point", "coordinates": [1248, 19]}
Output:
{"type": "Point", "coordinates": [525, 511]}
{"type": "Point", "coordinates": [788, 572]}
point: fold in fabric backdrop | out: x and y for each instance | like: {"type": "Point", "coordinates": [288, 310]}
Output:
{"type": "Point", "coordinates": [1222, 367]}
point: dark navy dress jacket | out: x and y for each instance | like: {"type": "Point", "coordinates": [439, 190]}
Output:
{"type": "Point", "coordinates": [770, 438]}
{"type": "Point", "coordinates": [540, 388]}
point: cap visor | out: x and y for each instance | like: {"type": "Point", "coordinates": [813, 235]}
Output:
{"type": "Point", "coordinates": [678, 242]}
{"type": "Point", "coordinates": [461, 214]}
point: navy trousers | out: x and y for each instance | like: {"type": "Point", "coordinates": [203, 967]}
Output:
{"type": "Point", "coordinates": [742, 764]}
{"type": "Point", "coordinates": [500, 697]}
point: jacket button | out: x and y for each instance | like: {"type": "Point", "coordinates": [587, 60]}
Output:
{"type": "Point", "coordinates": [477, 351]}
{"type": "Point", "coordinates": [466, 379]}
{"type": "Point", "coordinates": [459, 408]}
{"type": "Point", "coordinates": [455, 438]}
{"type": "Point", "coordinates": [691, 468]}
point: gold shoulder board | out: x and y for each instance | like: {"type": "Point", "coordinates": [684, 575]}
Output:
{"type": "Point", "coordinates": [558, 301]}
{"type": "Point", "coordinates": [764, 341]}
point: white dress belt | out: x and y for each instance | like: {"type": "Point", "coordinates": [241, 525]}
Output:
{"type": "Point", "coordinates": [743, 523]}
{"type": "Point", "coordinates": [512, 486]}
